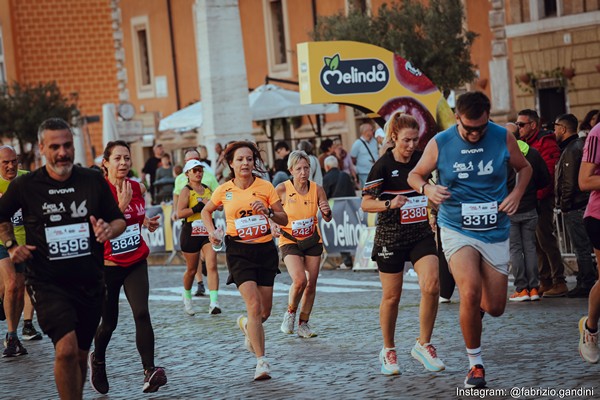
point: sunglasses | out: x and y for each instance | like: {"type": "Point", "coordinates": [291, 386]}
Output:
{"type": "Point", "coordinates": [197, 169]}
{"type": "Point", "coordinates": [557, 124]}
{"type": "Point", "coordinates": [471, 129]}
{"type": "Point", "coordinates": [522, 124]}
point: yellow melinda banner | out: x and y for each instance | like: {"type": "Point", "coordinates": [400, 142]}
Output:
{"type": "Point", "coordinates": [372, 79]}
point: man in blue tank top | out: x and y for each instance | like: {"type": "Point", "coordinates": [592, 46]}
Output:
{"type": "Point", "coordinates": [471, 159]}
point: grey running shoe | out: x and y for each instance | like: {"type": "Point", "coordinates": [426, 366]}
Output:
{"type": "Point", "coordinates": [588, 343]}
{"type": "Point", "coordinates": [289, 319]}
{"type": "Point", "coordinates": [98, 378]}
{"type": "Point", "coordinates": [263, 370]}
{"type": "Point", "coordinates": [201, 291]}
{"type": "Point", "coordinates": [13, 347]}
{"type": "Point", "coordinates": [305, 331]}
{"type": "Point", "coordinates": [30, 333]}
{"type": "Point", "coordinates": [153, 379]}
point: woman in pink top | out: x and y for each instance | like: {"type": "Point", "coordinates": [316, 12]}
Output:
{"type": "Point", "coordinates": [589, 179]}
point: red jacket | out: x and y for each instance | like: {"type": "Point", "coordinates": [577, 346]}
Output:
{"type": "Point", "coordinates": [545, 143]}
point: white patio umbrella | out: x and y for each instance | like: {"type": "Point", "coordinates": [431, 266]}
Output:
{"type": "Point", "coordinates": [272, 101]}
{"type": "Point", "coordinates": [184, 120]}
{"type": "Point", "coordinates": [266, 102]}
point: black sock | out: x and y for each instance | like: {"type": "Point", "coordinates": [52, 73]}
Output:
{"type": "Point", "coordinates": [590, 330]}
{"type": "Point", "coordinates": [27, 323]}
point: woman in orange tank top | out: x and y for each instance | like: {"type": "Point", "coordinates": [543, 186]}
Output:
{"type": "Point", "coordinates": [248, 203]}
{"type": "Point", "coordinates": [300, 242]}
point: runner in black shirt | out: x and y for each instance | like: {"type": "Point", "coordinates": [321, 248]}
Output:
{"type": "Point", "coordinates": [68, 213]}
{"type": "Point", "coordinates": [403, 234]}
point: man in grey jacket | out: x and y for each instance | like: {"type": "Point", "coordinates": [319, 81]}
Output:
{"type": "Point", "coordinates": [572, 201]}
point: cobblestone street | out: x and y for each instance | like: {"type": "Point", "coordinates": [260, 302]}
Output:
{"type": "Point", "coordinates": [532, 345]}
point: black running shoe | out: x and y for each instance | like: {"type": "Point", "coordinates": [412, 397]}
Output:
{"type": "Point", "coordinates": [98, 378]}
{"type": "Point", "coordinates": [30, 333]}
{"type": "Point", "coordinates": [13, 347]}
{"type": "Point", "coordinates": [476, 377]}
{"type": "Point", "coordinates": [201, 291]}
{"type": "Point", "coordinates": [153, 379]}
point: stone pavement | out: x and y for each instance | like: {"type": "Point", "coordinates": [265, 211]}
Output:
{"type": "Point", "coordinates": [531, 345]}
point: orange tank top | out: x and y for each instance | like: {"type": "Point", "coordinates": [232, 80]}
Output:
{"type": "Point", "coordinates": [242, 224]}
{"type": "Point", "coordinates": [302, 212]}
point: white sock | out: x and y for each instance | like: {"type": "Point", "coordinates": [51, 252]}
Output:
{"type": "Point", "coordinates": [474, 357]}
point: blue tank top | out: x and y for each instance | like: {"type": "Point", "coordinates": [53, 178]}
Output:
{"type": "Point", "coordinates": [475, 174]}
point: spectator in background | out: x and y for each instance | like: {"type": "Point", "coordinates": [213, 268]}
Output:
{"type": "Point", "coordinates": [203, 151]}
{"type": "Point", "coordinates": [588, 122]}
{"type": "Point", "coordinates": [345, 160]}
{"type": "Point", "coordinates": [327, 149]}
{"type": "Point", "coordinates": [280, 169]}
{"type": "Point", "coordinates": [383, 144]}
{"type": "Point", "coordinates": [222, 170]}
{"type": "Point", "coordinates": [337, 183]}
{"type": "Point", "coordinates": [151, 166]}
{"type": "Point", "coordinates": [571, 201]}
{"type": "Point", "coordinates": [364, 152]}
{"type": "Point", "coordinates": [163, 185]}
{"type": "Point", "coordinates": [316, 175]}
{"type": "Point", "coordinates": [550, 265]}
{"type": "Point", "coordinates": [523, 223]}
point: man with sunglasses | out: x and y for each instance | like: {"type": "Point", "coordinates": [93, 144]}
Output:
{"type": "Point", "coordinates": [550, 265]}
{"type": "Point", "coordinates": [472, 159]}
{"type": "Point", "coordinates": [572, 201]}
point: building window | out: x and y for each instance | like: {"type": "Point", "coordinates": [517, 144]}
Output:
{"type": "Point", "coordinates": [540, 9]}
{"type": "Point", "coordinates": [278, 43]}
{"type": "Point", "coordinates": [2, 65]}
{"type": "Point", "coordinates": [362, 6]}
{"type": "Point", "coordinates": [142, 57]}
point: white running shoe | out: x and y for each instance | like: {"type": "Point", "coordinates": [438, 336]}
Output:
{"type": "Point", "coordinates": [427, 355]}
{"type": "Point", "coordinates": [214, 308]}
{"type": "Point", "coordinates": [263, 370]}
{"type": "Point", "coordinates": [389, 362]}
{"type": "Point", "coordinates": [588, 343]}
{"type": "Point", "coordinates": [187, 306]}
{"type": "Point", "coordinates": [242, 322]}
{"type": "Point", "coordinates": [289, 319]}
{"type": "Point", "coordinates": [305, 331]}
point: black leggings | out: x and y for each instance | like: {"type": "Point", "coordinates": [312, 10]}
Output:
{"type": "Point", "coordinates": [134, 280]}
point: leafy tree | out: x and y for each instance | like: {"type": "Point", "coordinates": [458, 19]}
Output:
{"type": "Point", "coordinates": [431, 36]}
{"type": "Point", "coordinates": [23, 107]}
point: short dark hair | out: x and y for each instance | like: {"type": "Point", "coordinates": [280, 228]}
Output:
{"type": "Point", "coordinates": [531, 114]}
{"type": "Point", "coordinates": [473, 105]}
{"type": "Point", "coordinates": [52, 124]}
{"type": "Point", "coordinates": [569, 120]}
{"type": "Point", "coordinates": [586, 122]}
{"type": "Point", "coordinates": [325, 145]}
{"type": "Point", "coordinates": [282, 145]}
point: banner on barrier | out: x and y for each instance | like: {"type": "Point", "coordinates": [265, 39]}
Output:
{"type": "Point", "coordinates": [342, 233]}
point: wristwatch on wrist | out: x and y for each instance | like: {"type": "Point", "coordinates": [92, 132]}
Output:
{"type": "Point", "coordinates": [271, 212]}
{"type": "Point", "coordinates": [422, 191]}
{"type": "Point", "coordinates": [9, 244]}
{"type": "Point", "coordinates": [387, 204]}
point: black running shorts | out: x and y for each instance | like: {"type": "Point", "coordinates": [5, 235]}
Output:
{"type": "Point", "coordinates": [392, 261]}
{"type": "Point", "coordinates": [294, 250]}
{"type": "Point", "coordinates": [189, 243]}
{"type": "Point", "coordinates": [251, 262]}
{"type": "Point", "coordinates": [61, 310]}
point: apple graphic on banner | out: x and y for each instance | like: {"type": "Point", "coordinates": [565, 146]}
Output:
{"type": "Point", "coordinates": [413, 107]}
{"type": "Point", "coordinates": [411, 77]}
